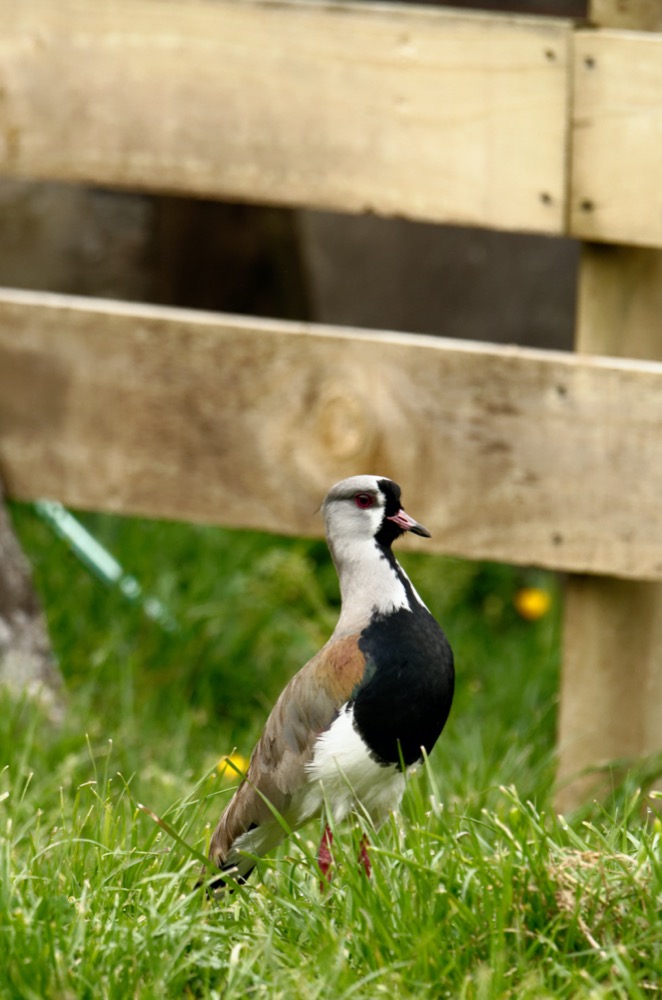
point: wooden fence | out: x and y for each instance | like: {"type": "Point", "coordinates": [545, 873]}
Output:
{"type": "Point", "coordinates": [526, 456]}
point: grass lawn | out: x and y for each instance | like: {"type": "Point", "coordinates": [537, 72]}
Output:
{"type": "Point", "coordinates": [479, 890]}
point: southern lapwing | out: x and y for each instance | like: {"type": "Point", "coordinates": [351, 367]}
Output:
{"type": "Point", "coordinates": [367, 707]}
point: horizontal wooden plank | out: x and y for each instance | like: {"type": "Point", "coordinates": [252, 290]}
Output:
{"type": "Point", "coordinates": [429, 114]}
{"type": "Point", "coordinates": [505, 453]}
{"type": "Point", "coordinates": [617, 138]}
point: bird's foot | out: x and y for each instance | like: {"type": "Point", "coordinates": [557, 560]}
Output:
{"type": "Point", "coordinates": [325, 858]}
{"type": "Point", "coordinates": [364, 855]}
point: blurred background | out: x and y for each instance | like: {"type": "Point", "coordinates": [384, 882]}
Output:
{"type": "Point", "coordinates": [235, 642]}
{"type": "Point", "coordinates": [353, 270]}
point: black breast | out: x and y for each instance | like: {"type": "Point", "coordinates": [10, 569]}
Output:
{"type": "Point", "coordinates": [407, 691]}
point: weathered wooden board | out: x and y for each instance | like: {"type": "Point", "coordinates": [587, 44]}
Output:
{"type": "Point", "coordinates": [610, 705]}
{"type": "Point", "coordinates": [619, 304]}
{"type": "Point", "coordinates": [357, 107]}
{"type": "Point", "coordinates": [617, 138]}
{"type": "Point", "coordinates": [642, 15]}
{"type": "Point", "coordinates": [611, 684]}
{"type": "Point", "coordinates": [506, 453]}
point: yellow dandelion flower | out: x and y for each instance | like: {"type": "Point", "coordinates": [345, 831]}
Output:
{"type": "Point", "coordinates": [232, 767]}
{"type": "Point", "coordinates": [532, 603]}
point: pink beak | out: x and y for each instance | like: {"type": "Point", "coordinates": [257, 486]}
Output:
{"type": "Point", "coordinates": [407, 523]}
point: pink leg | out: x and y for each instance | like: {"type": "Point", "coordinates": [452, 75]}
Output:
{"type": "Point", "coordinates": [364, 855]}
{"type": "Point", "coordinates": [325, 858]}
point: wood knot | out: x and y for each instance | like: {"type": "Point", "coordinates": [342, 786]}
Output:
{"type": "Point", "coordinates": [344, 426]}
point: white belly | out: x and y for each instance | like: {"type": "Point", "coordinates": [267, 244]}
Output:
{"type": "Point", "coordinates": [344, 775]}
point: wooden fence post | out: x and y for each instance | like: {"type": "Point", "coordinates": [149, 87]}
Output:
{"type": "Point", "coordinates": [640, 15]}
{"type": "Point", "coordinates": [611, 688]}
{"type": "Point", "coordinates": [27, 665]}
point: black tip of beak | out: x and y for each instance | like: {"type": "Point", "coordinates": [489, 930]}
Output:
{"type": "Point", "coordinates": [418, 529]}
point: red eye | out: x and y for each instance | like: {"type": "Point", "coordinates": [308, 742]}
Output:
{"type": "Point", "coordinates": [364, 500]}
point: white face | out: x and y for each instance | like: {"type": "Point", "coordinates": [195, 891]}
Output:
{"type": "Point", "coordinates": [353, 510]}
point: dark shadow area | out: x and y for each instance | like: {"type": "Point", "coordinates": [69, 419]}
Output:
{"type": "Point", "coordinates": [362, 271]}
{"type": "Point", "coordinates": [548, 8]}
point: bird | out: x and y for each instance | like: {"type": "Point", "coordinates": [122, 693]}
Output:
{"type": "Point", "coordinates": [362, 712]}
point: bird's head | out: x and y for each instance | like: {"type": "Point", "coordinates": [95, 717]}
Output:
{"type": "Point", "coordinates": [364, 508]}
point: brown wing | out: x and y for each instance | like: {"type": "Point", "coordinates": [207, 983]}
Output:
{"type": "Point", "coordinates": [306, 707]}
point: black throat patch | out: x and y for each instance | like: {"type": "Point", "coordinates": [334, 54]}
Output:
{"type": "Point", "coordinates": [388, 530]}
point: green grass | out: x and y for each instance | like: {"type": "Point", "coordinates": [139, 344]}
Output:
{"type": "Point", "coordinates": [479, 891]}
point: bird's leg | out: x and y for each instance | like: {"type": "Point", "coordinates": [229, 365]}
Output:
{"type": "Point", "coordinates": [325, 858]}
{"type": "Point", "coordinates": [364, 855]}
